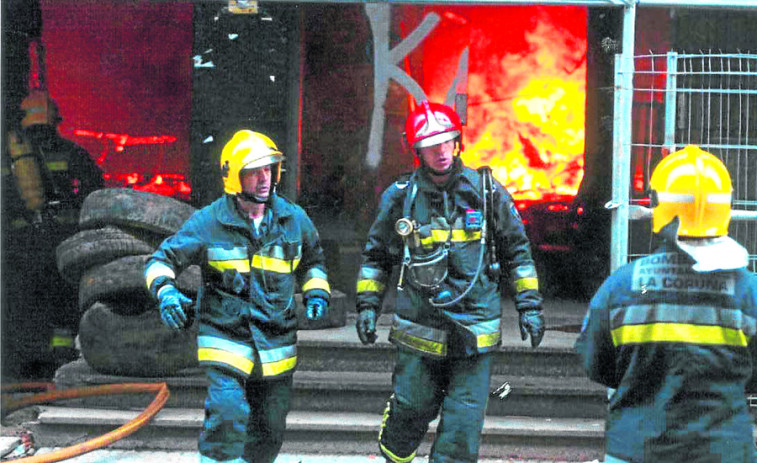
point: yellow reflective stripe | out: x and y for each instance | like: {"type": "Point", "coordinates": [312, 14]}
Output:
{"type": "Point", "coordinates": [240, 265]}
{"type": "Point", "coordinates": [273, 264]}
{"type": "Point", "coordinates": [369, 285]}
{"type": "Point", "coordinates": [205, 354]}
{"type": "Point", "coordinates": [57, 165]}
{"type": "Point", "coordinates": [385, 450]}
{"type": "Point", "coordinates": [524, 284]}
{"type": "Point", "coordinates": [466, 235]}
{"type": "Point", "coordinates": [316, 283]}
{"type": "Point", "coordinates": [487, 340]}
{"type": "Point", "coordinates": [394, 457]}
{"type": "Point", "coordinates": [458, 235]}
{"type": "Point", "coordinates": [678, 332]}
{"type": "Point", "coordinates": [281, 366]}
{"type": "Point", "coordinates": [424, 345]}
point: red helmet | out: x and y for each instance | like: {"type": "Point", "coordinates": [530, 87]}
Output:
{"type": "Point", "coordinates": [431, 124]}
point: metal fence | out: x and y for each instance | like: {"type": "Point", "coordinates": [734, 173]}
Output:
{"type": "Point", "coordinates": [705, 99]}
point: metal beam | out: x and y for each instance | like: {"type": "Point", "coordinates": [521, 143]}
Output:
{"type": "Point", "coordinates": [737, 4]}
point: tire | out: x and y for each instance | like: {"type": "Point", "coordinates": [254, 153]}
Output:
{"type": "Point", "coordinates": [120, 280]}
{"type": "Point", "coordinates": [123, 280]}
{"type": "Point", "coordinates": [133, 208]}
{"type": "Point", "coordinates": [90, 248]}
{"type": "Point", "coordinates": [139, 346]}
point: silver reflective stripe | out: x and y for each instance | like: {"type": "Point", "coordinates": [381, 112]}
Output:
{"type": "Point", "coordinates": [689, 314]}
{"type": "Point", "coordinates": [419, 331]}
{"type": "Point", "coordinates": [315, 273]}
{"type": "Point", "coordinates": [274, 355]}
{"type": "Point", "coordinates": [487, 327]}
{"type": "Point", "coordinates": [227, 254]}
{"type": "Point", "coordinates": [212, 342]}
{"type": "Point", "coordinates": [719, 198]}
{"type": "Point", "coordinates": [370, 273]}
{"type": "Point", "coordinates": [664, 197]}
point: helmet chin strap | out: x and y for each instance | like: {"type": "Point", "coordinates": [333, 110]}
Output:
{"type": "Point", "coordinates": [245, 196]}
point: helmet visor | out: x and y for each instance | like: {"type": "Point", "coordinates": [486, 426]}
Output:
{"type": "Point", "coordinates": [437, 139]}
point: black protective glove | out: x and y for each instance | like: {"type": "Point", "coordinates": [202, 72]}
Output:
{"type": "Point", "coordinates": [531, 321]}
{"type": "Point", "coordinates": [366, 325]}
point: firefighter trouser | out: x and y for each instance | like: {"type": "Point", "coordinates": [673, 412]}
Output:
{"type": "Point", "coordinates": [423, 387]}
{"type": "Point", "coordinates": [244, 419]}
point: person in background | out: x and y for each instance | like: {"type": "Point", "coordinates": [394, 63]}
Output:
{"type": "Point", "coordinates": [45, 181]}
{"type": "Point", "coordinates": [254, 247]}
{"type": "Point", "coordinates": [448, 227]}
{"type": "Point", "coordinates": [673, 332]}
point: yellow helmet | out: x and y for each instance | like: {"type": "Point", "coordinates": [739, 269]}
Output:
{"type": "Point", "coordinates": [248, 150]}
{"type": "Point", "coordinates": [695, 186]}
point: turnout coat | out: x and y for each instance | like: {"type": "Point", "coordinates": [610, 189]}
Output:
{"type": "Point", "coordinates": [443, 215]}
{"type": "Point", "coordinates": [246, 304]}
{"type": "Point", "coordinates": [679, 347]}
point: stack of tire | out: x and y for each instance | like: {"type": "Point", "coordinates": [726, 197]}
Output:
{"type": "Point", "coordinates": [120, 332]}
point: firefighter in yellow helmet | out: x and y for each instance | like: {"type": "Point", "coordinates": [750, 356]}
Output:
{"type": "Point", "coordinates": [673, 332]}
{"type": "Point", "coordinates": [254, 247]}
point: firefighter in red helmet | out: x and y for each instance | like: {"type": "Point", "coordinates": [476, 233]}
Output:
{"type": "Point", "coordinates": [453, 231]}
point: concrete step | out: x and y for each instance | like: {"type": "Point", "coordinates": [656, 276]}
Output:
{"type": "Point", "coordinates": [567, 439]}
{"type": "Point", "coordinates": [368, 391]}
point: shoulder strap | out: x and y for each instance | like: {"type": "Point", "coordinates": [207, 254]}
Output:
{"type": "Point", "coordinates": [487, 195]}
{"type": "Point", "coordinates": [407, 208]}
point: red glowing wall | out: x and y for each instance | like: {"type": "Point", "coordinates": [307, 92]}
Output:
{"type": "Point", "coordinates": [122, 68]}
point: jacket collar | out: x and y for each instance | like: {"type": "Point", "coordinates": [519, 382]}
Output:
{"type": "Point", "coordinates": [459, 172]}
{"type": "Point", "coordinates": [230, 215]}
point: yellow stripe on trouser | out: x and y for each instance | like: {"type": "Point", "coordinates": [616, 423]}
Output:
{"type": "Point", "coordinates": [205, 354]}
{"type": "Point", "coordinates": [678, 332]}
{"type": "Point", "coordinates": [276, 368]}
{"type": "Point", "coordinates": [388, 453]}
{"type": "Point", "coordinates": [524, 284]}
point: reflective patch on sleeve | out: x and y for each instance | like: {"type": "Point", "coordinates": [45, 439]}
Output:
{"type": "Point", "coordinates": [158, 269]}
{"type": "Point", "coordinates": [316, 283]}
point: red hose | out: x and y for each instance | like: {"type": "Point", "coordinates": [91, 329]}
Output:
{"type": "Point", "coordinates": [161, 397]}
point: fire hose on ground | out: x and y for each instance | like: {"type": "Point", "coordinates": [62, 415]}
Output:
{"type": "Point", "coordinates": [161, 397]}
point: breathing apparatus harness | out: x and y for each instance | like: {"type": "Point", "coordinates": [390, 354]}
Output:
{"type": "Point", "coordinates": [426, 273]}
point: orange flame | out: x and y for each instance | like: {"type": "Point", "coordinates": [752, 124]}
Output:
{"type": "Point", "coordinates": [526, 110]}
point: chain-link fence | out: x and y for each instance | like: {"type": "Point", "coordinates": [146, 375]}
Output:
{"type": "Point", "coordinates": [705, 99]}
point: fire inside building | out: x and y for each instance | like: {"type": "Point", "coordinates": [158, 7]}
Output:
{"type": "Point", "coordinates": [152, 90]}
